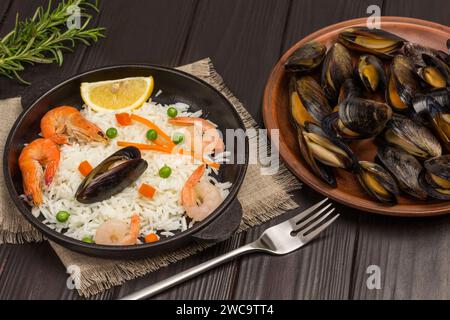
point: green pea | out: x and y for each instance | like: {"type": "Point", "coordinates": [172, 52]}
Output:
{"type": "Point", "coordinates": [87, 239]}
{"type": "Point", "coordinates": [178, 138]}
{"type": "Point", "coordinates": [152, 135]}
{"type": "Point", "coordinates": [172, 112]}
{"type": "Point", "coordinates": [165, 172]}
{"type": "Point", "coordinates": [62, 216]}
{"type": "Point", "coordinates": [112, 133]}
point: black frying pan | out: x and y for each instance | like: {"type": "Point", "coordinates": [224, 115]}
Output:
{"type": "Point", "coordinates": [176, 86]}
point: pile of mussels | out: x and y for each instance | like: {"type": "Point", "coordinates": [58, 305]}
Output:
{"type": "Point", "coordinates": [375, 85]}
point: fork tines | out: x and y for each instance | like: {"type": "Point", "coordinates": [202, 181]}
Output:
{"type": "Point", "coordinates": [309, 223]}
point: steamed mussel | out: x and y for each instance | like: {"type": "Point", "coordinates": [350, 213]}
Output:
{"type": "Point", "coordinates": [435, 178]}
{"type": "Point", "coordinates": [307, 101]}
{"type": "Point", "coordinates": [371, 73]}
{"type": "Point", "coordinates": [322, 152]}
{"type": "Point", "coordinates": [435, 72]}
{"type": "Point", "coordinates": [377, 182]}
{"type": "Point", "coordinates": [337, 68]}
{"type": "Point", "coordinates": [375, 41]}
{"type": "Point", "coordinates": [437, 115]}
{"type": "Point", "coordinates": [412, 137]}
{"type": "Point", "coordinates": [112, 176]}
{"type": "Point", "coordinates": [349, 89]}
{"type": "Point", "coordinates": [357, 119]}
{"type": "Point", "coordinates": [403, 84]}
{"type": "Point", "coordinates": [306, 58]}
{"type": "Point", "coordinates": [404, 167]}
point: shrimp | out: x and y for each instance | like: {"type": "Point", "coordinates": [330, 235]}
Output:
{"type": "Point", "coordinates": [40, 154]}
{"type": "Point", "coordinates": [115, 232]}
{"type": "Point", "coordinates": [211, 140]}
{"type": "Point", "coordinates": [200, 198]}
{"type": "Point", "coordinates": [65, 122]}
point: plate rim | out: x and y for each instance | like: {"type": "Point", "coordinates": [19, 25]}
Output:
{"type": "Point", "coordinates": [271, 123]}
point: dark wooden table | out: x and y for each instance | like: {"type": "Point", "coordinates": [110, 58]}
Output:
{"type": "Point", "coordinates": [244, 38]}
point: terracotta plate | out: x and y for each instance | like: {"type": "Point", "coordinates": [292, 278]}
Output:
{"type": "Point", "coordinates": [348, 192]}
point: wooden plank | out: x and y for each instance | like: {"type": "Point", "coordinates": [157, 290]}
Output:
{"type": "Point", "coordinates": [242, 38]}
{"type": "Point", "coordinates": [144, 32]}
{"type": "Point", "coordinates": [41, 76]}
{"type": "Point", "coordinates": [413, 255]}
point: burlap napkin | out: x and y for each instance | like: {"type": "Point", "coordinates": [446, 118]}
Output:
{"type": "Point", "coordinates": [262, 197]}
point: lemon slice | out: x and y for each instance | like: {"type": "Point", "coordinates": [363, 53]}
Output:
{"type": "Point", "coordinates": [117, 95]}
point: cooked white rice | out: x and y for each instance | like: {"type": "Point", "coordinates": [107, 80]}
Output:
{"type": "Point", "coordinates": [163, 214]}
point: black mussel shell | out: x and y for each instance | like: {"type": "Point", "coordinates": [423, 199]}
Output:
{"type": "Point", "coordinates": [422, 102]}
{"type": "Point", "coordinates": [404, 167]}
{"type": "Point", "coordinates": [367, 118]}
{"type": "Point", "coordinates": [439, 166]}
{"type": "Point", "coordinates": [436, 73]}
{"type": "Point", "coordinates": [328, 150]}
{"type": "Point", "coordinates": [112, 176]}
{"type": "Point", "coordinates": [371, 72]}
{"type": "Point", "coordinates": [375, 41]}
{"type": "Point", "coordinates": [311, 105]}
{"type": "Point", "coordinates": [403, 84]}
{"type": "Point", "coordinates": [322, 171]}
{"type": "Point", "coordinates": [432, 190]}
{"type": "Point", "coordinates": [349, 89]}
{"type": "Point", "coordinates": [377, 182]}
{"type": "Point", "coordinates": [414, 51]}
{"type": "Point", "coordinates": [337, 68]}
{"type": "Point", "coordinates": [412, 137]}
{"type": "Point", "coordinates": [306, 58]}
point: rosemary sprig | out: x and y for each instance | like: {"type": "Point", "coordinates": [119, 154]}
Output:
{"type": "Point", "coordinates": [44, 37]}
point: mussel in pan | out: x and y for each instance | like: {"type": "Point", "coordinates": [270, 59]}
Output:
{"type": "Point", "coordinates": [403, 84]}
{"type": "Point", "coordinates": [441, 96]}
{"type": "Point", "coordinates": [435, 178]}
{"type": "Point", "coordinates": [412, 137]}
{"type": "Point", "coordinates": [371, 72]}
{"type": "Point", "coordinates": [404, 167]}
{"type": "Point", "coordinates": [357, 119]}
{"type": "Point", "coordinates": [375, 41]}
{"type": "Point", "coordinates": [112, 176]}
{"type": "Point", "coordinates": [337, 68]}
{"type": "Point", "coordinates": [306, 58]}
{"type": "Point", "coordinates": [307, 101]}
{"type": "Point", "coordinates": [377, 182]}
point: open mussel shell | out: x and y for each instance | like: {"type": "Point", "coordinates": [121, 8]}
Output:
{"type": "Point", "coordinates": [327, 150]}
{"type": "Point", "coordinates": [358, 119]}
{"type": "Point", "coordinates": [414, 51]}
{"type": "Point", "coordinates": [112, 176]}
{"type": "Point", "coordinates": [412, 137]}
{"type": "Point", "coordinates": [404, 167]}
{"type": "Point", "coordinates": [371, 72]}
{"type": "Point", "coordinates": [403, 84]}
{"type": "Point", "coordinates": [437, 116]}
{"type": "Point", "coordinates": [322, 171]}
{"type": "Point", "coordinates": [307, 101]}
{"type": "Point", "coordinates": [377, 182]}
{"type": "Point", "coordinates": [375, 41]}
{"type": "Point", "coordinates": [435, 72]}
{"type": "Point", "coordinates": [306, 58]}
{"type": "Point", "coordinates": [441, 96]}
{"type": "Point", "coordinates": [435, 179]}
{"type": "Point", "coordinates": [337, 68]}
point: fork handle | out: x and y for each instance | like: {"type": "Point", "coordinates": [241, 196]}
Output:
{"type": "Point", "coordinates": [190, 273]}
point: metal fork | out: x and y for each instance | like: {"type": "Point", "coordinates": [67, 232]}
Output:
{"type": "Point", "coordinates": [281, 239]}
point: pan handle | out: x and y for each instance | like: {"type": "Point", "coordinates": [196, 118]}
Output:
{"type": "Point", "coordinates": [223, 227]}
